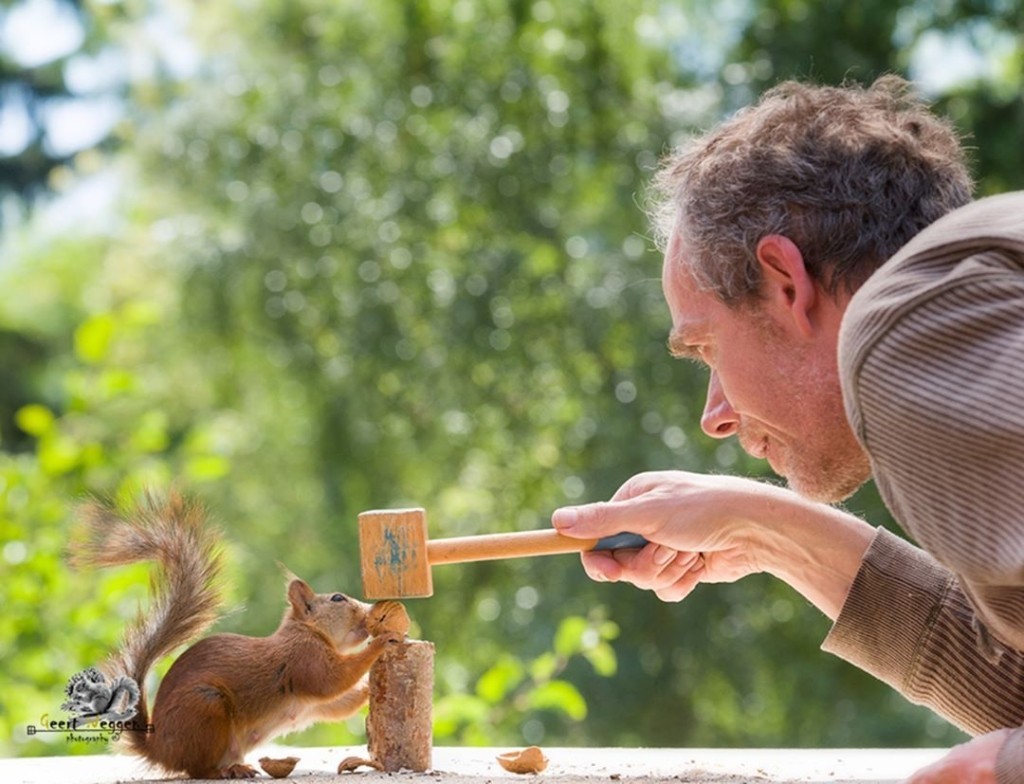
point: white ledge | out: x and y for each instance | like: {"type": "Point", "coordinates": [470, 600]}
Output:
{"type": "Point", "coordinates": [461, 765]}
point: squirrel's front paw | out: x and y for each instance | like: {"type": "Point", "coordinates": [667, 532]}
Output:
{"type": "Point", "coordinates": [385, 639]}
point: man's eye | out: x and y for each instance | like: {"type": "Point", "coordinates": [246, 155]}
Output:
{"type": "Point", "coordinates": [694, 352]}
{"type": "Point", "coordinates": [703, 356]}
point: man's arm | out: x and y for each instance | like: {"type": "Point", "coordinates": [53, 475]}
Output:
{"type": "Point", "coordinates": [898, 614]}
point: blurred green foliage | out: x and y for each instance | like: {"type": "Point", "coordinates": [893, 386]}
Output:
{"type": "Point", "coordinates": [370, 255]}
{"type": "Point", "coordinates": [511, 689]}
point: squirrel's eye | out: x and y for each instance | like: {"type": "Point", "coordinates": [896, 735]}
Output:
{"type": "Point", "coordinates": [339, 597]}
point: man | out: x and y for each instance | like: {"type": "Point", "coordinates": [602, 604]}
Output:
{"type": "Point", "coordinates": [854, 322]}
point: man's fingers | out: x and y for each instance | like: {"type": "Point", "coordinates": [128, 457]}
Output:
{"type": "Point", "coordinates": [603, 518]}
{"type": "Point", "coordinates": [663, 568]}
{"type": "Point", "coordinates": [670, 574]}
{"type": "Point", "coordinates": [684, 586]}
{"type": "Point", "coordinates": [602, 567]}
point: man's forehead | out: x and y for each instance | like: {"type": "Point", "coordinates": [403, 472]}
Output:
{"type": "Point", "coordinates": [682, 291]}
{"type": "Point", "coordinates": [674, 250]}
{"type": "Point", "coordinates": [695, 310]}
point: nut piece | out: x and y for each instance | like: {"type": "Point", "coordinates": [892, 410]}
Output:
{"type": "Point", "coordinates": [387, 616]}
{"type": "Point", "coordinates": [529, 760]}
{"type": "Point", "coordinates": [349, 764]}
{"type": "Point", "coordinates": [278, 768]}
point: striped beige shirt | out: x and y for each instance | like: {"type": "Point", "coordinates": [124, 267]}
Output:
{"type": "Point", "coordinates": [932, 363]}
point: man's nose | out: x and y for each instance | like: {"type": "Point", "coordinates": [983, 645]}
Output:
{"type": "Point", "coordinates": [719, 419]}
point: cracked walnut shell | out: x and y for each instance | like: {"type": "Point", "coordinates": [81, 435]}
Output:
{"type": "Point", "coordinates": [529, 760]}
{"type": "Point", "coordinates": [278, 768]}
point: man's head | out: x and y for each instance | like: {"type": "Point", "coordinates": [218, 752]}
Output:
{"type": "Point", "coordinates": [848, 173]}
{"type": "Point", "coordinates": [771, 221]}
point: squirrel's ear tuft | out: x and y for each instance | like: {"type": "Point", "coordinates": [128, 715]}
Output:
{"type": "Point", "coordinates": [289, 575]}
{"type": "Point", "coordinates": [301, 596]}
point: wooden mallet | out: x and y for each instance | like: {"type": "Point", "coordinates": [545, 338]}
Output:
{"type": "Point", "coordinates": [396, 554]}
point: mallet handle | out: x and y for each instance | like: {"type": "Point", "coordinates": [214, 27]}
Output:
{"type": "Point", "coordinates": [490, 547]}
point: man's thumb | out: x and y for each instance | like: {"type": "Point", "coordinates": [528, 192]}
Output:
{"type": "Point", "coordinates": [584, 521]}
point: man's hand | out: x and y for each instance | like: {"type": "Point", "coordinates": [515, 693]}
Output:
{"type": "Point", "coordinates": [973, 762]}
{"type": "Point", "coordinates": [718, 529]}
{"type": "Point", "coordinates": [694, 536]}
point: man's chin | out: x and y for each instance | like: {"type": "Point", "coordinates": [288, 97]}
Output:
{"type": "Point", "coordinates": [826, 489]}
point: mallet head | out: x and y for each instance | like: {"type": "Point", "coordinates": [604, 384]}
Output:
{"type": "Point", "coordinates": [393, 554]}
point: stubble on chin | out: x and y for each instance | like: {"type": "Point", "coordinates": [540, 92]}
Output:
{"type": "Point", "coordinates": [827, 476]}
{"type": "Point", "coordinates": [831, 481]}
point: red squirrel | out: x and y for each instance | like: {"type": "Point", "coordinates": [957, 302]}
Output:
{"type": "Point", "coordinates": [228, 692]}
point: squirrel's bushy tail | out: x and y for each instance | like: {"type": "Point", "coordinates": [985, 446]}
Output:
{"type": "Point", "coordinates": [186, 598]}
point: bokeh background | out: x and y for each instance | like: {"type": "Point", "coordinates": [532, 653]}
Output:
{"type": "Point", "coordinates": [302, 258]}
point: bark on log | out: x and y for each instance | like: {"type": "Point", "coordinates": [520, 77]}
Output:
{"type": "Point", "coordinates": [399, 727]}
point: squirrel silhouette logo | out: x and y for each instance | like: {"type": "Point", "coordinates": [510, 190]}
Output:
{"type": "Point", "coordinates": [94, 697]}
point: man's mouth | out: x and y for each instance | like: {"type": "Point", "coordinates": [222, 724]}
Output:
{"type": "Point", "coordinates": [755, 447]}
{"type": "Point", "coordinates": [761, 448]}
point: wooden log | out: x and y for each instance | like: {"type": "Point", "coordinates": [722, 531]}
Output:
{"type": "Point", "coordinates": [399, 727]}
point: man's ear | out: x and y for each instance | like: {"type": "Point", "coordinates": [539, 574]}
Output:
{"type": "Point", "coordinates": [787, 285]}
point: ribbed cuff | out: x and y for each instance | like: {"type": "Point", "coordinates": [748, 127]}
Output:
{"type": "Point", "coordinates": [1010, 760]}
{"type": "Point", "coordinates": [889, 609]}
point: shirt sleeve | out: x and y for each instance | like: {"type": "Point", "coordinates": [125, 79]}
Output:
{"type": "Point", "coordinates": [907, 622]}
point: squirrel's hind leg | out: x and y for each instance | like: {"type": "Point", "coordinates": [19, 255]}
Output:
{"type": "Point", "coordinates": [238, 771]}
{"type": "Point", "coordinates": [196, 734]}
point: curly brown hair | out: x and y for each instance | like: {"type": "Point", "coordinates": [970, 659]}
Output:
{"type": "Point", "coordinates": [848, 173]}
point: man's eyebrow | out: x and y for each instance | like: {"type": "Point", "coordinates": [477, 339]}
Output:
{"type": "Point", "coordinates": [681, 344]}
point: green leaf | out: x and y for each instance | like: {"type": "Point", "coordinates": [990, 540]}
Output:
{"type": "Point", "coordinates": [544, 666]}
{"type": "Point", "coordinates": [141, 313]}
{"type": "Point", "coordinates": [34, 419]}
{"type": "Point", "coordinates": [117, 382]}
{"type": "Point", "coordinates": [58, 455]}
{"type": "Point", "coordinates": [455, 710]}
{"type": "Point", "coordinates": [151, 435]}
{"type": "Point", "coordinates": [93, 338]}
{"type": "Point", "coordinates": [500, 679]}
{"type": "Point", "coordinates": [569, 637]}
{"type": "Point", "coordinates": [207, 467]}
{"type": "Point", "coordinates": [602, 658]}
{"type": "Point", "coordinates": [609, 630]}
{"type": "Point", "coordinates": [560, 696]}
